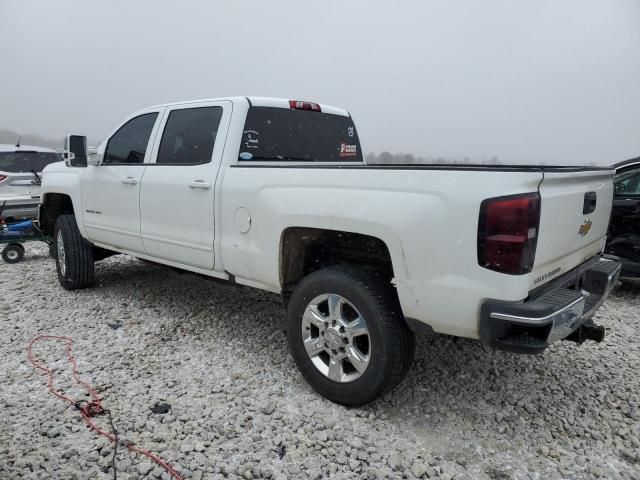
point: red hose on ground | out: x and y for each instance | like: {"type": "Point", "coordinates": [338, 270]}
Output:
{"type": "Point", "coordinates": [91, 408]}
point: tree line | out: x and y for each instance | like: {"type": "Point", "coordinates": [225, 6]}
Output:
{"type": "Point", "coordinates": [409, 159]}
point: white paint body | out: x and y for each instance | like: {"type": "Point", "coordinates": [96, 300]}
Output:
{"type": "Point", "coordinates": [427, 217]}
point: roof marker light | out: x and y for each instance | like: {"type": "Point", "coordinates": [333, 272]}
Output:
{"type": "Point", "coordinates": [299, 105]}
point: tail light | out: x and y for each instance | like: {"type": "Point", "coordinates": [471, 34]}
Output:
{"type": "Point", "coordinates": [2, 177]}
{"type": "Point", "coordinates": [508, 233]}
{"type": "Point", "coordinates": [298, 105]}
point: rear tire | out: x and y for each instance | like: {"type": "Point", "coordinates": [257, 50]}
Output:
{"type": "Point", "coordinates": [384, 345]}
{"type": "Point", "coordinates": [13, 253]}
{"type": "Point", "coordinates": [74, 255]}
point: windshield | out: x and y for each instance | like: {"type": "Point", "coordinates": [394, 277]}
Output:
{"type": "Point", "coordinates": [279, 134]}
{"type": "Point", "coordinates": [628, 183]}
{"type": "Point", "coordinates": [23, 162]}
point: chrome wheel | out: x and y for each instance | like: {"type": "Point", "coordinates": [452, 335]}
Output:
{"type": "Point", "coordinates": [12, 254]}
{"type": "Point", "coordinates": [336, 338]}
{"type": "Point", "coordinates": [60, 250]}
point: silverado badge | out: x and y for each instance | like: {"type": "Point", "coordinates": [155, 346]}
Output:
{"type": "Point", "coordinates": [585, 227]}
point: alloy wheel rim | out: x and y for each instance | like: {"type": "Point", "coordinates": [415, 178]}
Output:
{"type": "Point", "coordinates": [336, 338]}
{"type": "Point", "coordinates": [60, 249]}
{"type": "Point", "coordinates": [12, 254]}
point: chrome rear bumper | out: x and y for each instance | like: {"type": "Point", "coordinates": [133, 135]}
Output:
{"type": "Point", "coordinates": [551, 314]}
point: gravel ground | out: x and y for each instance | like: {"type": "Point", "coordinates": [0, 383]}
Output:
{"type": "Point", "coordinates": [239, 409]}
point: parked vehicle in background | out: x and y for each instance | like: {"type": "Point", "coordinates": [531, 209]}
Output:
{"type": "Point", "coordinates": [20, 176]}
{"type": "Point", "coordinates": [624, 230]}
{"type": "Point", "coordinates": [275, 194]}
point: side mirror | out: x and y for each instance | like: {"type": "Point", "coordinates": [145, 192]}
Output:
{"type": "Point", "coordinates": [75, 151]}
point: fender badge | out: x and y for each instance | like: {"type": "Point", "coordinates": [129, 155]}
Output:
{"type": "Point", "coordinates": [585, 227]}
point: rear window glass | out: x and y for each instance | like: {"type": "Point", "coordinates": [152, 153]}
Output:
{"type": "Point", "coordinates": [189, 136]}
{"type": "Point", "coordinates": [26, 161]}
{"type": "Point", "coordinates": [279, 134]}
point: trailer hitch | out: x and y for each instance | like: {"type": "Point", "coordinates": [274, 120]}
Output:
{"type": "Point", "coordinates": [587, 331]}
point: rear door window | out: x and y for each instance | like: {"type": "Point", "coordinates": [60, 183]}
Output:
{"type": "Point", "coordinates": [280, 134]}
{"type": "Point", "coordinates": [189, 136]}
{"type": "Point", "coordinates": [25, 162]}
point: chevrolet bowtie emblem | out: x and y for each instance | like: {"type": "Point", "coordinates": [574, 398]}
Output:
{"type": "Point", "coordinates": [585, 227]}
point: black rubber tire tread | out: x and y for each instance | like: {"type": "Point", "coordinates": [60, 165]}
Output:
{"type": "Point", "coordinates": [378, 303]}
{"type": "Point", "coordinates": [80, 269]}
{"type": "Point", "coordinates": [13, 246]}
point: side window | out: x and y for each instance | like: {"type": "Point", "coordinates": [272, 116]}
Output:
{"type": "Point", "coordinates": [189, 136]}
{"type": "Point", "coordinates": [129, 144]}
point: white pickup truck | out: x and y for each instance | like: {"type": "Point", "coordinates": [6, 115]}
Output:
{"type": "Point", "coordinates": [275, 194]}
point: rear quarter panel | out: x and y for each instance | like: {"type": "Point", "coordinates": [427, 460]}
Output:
{"type": "Point", "coordinates": [428, 218]}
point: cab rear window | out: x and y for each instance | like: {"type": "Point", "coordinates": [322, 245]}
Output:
{"type": "Point", "coordinates": [278, 134]}
{"type": "Point", "coordinates": [18, 162]}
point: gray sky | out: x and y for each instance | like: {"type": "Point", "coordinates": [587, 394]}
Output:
{"type": "Point", "coordinates": [528, 81]}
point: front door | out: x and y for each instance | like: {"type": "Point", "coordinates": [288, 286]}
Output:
{"type": "Point", "coordinates": [178, 189]}
{"type": "Point", "coordinates": [111, 191]}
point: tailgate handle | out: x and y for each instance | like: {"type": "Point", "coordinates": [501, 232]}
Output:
{"type": "Point", "coordinates": [590, 200]}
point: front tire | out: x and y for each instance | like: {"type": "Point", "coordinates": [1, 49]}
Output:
{"type": "Point", "coordinates": [347, 335]}
{"type": "Point", "coordinates": [74, 255]}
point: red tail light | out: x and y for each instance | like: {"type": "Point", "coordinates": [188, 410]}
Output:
{"type": "Point", "coordinates": [298, 105]}
{"type": "Point", "coordinates": [508, 233]}
{"type": "Point", "coordinates": [2, 177]}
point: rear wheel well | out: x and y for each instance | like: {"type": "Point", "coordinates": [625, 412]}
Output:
{"type": "Point", "coordinates": [304, 250]}
{"type": "Point", "coordinates": [54, 205]}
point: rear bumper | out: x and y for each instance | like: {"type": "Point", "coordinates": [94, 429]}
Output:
{"type": "Point", "coordinates": [552, 313]}
{"type": "Point", "coordinates": [19, 207]}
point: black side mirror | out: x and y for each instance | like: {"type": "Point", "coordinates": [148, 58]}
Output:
{"type": "Point", "coordinates": [75, 151]}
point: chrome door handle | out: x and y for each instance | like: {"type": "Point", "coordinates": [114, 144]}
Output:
{"type": "Point", "coordinates": [199, 184]}
{"type": "Point", "coordinates": [129, 181]}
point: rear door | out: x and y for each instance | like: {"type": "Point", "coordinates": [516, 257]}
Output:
{"type": "Point", "coordinates": [575, 211]}
{"type": "Point", "coordinates": [178, 188]}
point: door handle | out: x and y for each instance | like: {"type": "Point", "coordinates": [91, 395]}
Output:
{"type": "Point", "coordinates": [129, 181]}
{"type": "Point", "coordinates": [200, 184]}
{"type": "Point", "coordinates": [589, 205]}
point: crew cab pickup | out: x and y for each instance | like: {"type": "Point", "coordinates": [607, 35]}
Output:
{"type": "Point", "coordinates": [276, 194]}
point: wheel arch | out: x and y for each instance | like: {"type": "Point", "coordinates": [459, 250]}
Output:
{"type": "Point", "coordinates": [54, 204]}
{"type": "Point", "coordinates": [304, 250]}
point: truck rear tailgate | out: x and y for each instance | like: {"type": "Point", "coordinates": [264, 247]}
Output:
{"type": "Point", "coordinates": [575, 210]}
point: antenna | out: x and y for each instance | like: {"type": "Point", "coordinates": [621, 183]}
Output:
{"type": "Point", "coordinates": [18, 144]}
